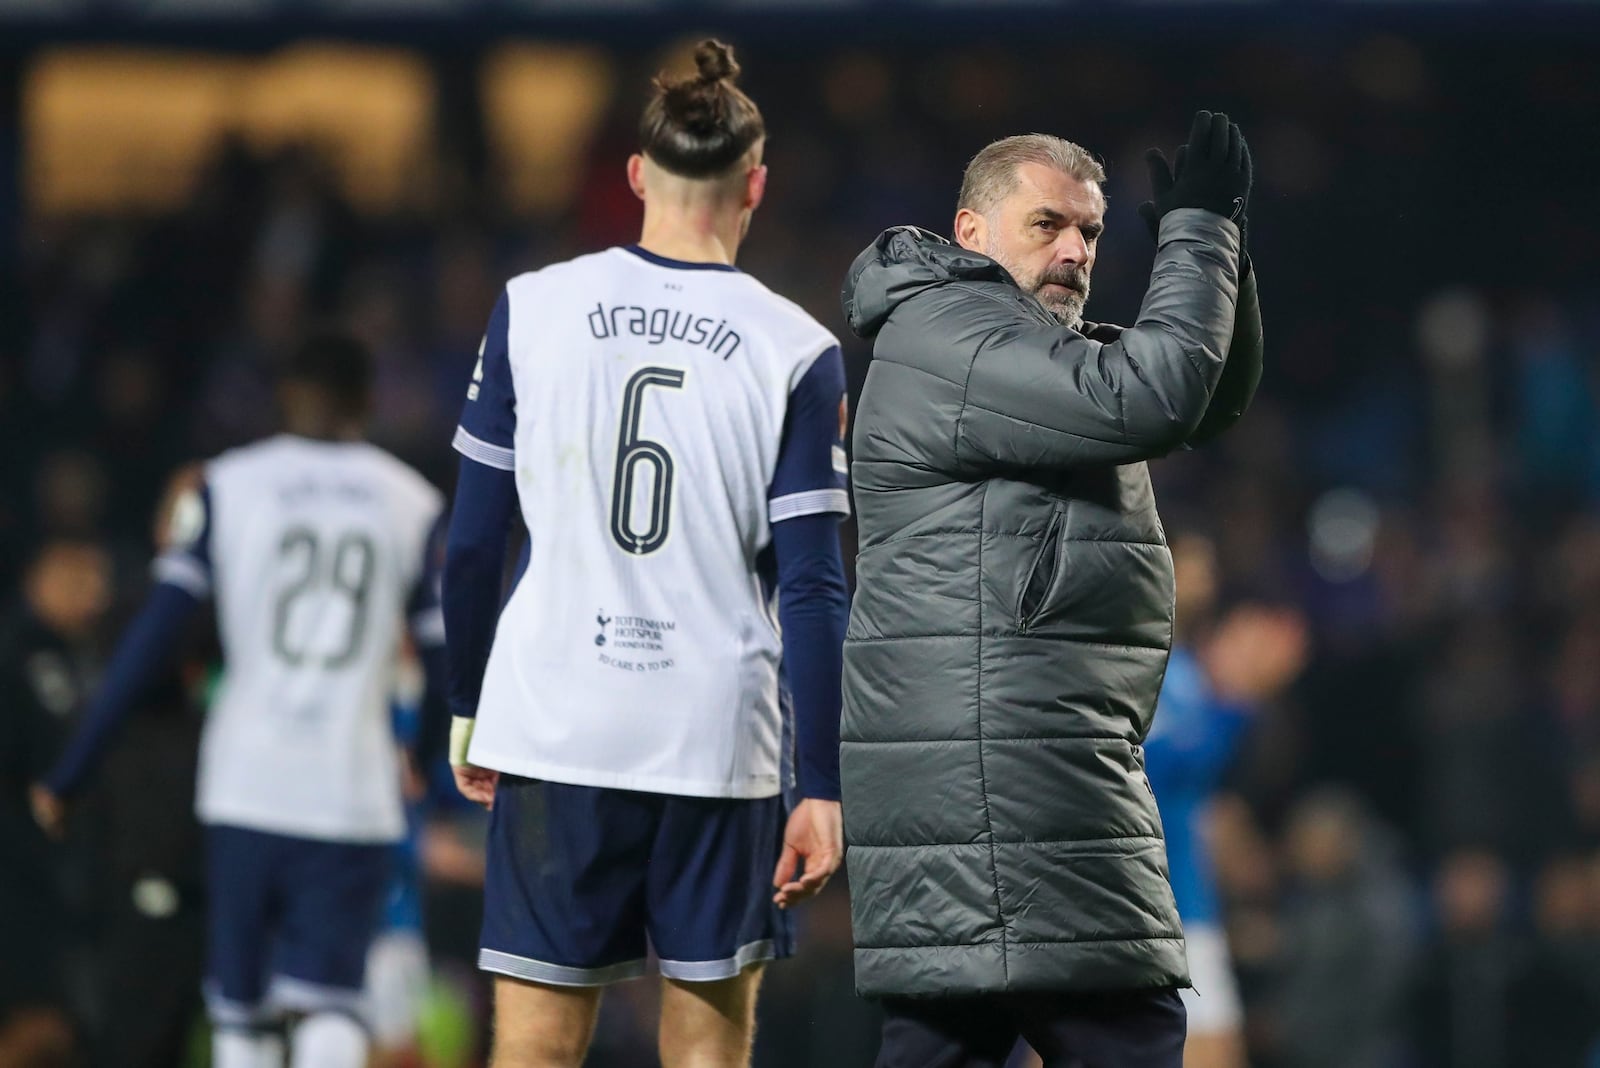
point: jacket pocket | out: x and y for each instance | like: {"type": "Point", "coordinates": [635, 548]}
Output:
{"type": "Point", "coordinates": [1041, 576]}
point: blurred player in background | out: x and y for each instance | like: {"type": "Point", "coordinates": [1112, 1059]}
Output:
{"type": "Point", "coordinates": [316, 547]}
{"type": "Point", "coordinates": [673, 432]}
{"type": "Point", "coordinates": [44, 670]}
{"type": "Point", "coordinates": [1221, 671]}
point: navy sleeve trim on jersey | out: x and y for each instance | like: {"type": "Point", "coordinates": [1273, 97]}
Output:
{"type": "Point", "coordinates": [488, 455]}
{"type": "Point", "coordinates": [810, 477]}
{"type": "Point", "coordinates": [187, 563]}
{"type": "Point", "coordinates": [815, 502]}
{"type": "Point", "coordinates": [488, 427]}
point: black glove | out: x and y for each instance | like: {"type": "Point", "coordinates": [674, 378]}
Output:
{"type": "Point", "coordinates": [1213, 171]}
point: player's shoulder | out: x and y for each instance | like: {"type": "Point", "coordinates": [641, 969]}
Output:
{"type": "Point", "coordinates": [253, 457]}
{"type": "Point", "coordinates": [799, 330]}
{"type": "Point", "coordinates": [563, 274]}
{"type": "Point", "coordinates": [287, 456]}
{"type": "Point", "coordinates": [402, 480]}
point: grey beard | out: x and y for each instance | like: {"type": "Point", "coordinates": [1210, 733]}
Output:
{"type": "Point", "coordinates": [1069, 312]}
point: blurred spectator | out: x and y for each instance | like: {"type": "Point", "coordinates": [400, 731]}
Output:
{"type": "Point", "coordinates": [1489, 997]}
{"type": "Point", "coordinates": [1465, 986]}
{"type": "Point", "coordinates": [1489, 765]}
{"type": "Point", "coordinates": [148, 899]}
{"type": "Point", "coordinates": [1555, 1009]}
{"type": "Point", "coordinates": [1348, 939]}
{"type": "Point", "coordinates": [46, 659]}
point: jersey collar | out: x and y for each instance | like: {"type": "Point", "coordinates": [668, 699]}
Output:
{"type": "Point", "coordinates": [677, 265]}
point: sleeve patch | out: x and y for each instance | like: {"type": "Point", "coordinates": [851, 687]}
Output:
{"type": "Point", "coordinates": [187, 521]}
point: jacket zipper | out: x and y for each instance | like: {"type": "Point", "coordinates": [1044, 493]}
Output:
{"type": "Point", "coordinates": [1041, 577]}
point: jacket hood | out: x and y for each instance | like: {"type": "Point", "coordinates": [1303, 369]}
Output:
{"type": "Point", "coordinates": [902, 262]}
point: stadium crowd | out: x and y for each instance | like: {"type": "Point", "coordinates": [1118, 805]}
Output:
{"type": "Point", "coordinates": [1409, 847]}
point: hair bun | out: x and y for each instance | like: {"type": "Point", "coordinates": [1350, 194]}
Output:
{"type": "Point", "coordinates": [701, 125]}
{"type": "Point", "coordinates": [715, 61]}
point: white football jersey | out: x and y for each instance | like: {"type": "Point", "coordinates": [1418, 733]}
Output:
{"type": "Point", "coordinates": [652, 412]}
{"type": "Point", "coordinates": [314, 552]}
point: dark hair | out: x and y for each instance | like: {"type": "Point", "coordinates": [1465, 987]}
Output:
{"type": "Point", "coordinates": [338, 365]}
{"type": "Point", "coordinates": [701, 125]}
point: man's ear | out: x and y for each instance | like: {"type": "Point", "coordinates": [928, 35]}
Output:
{"type": "Point", "coordinates": [971, 230]}
{"type": "Point", "coordinates": [755, 187]}
{"type": "Point", "coordinates": [636, 175]}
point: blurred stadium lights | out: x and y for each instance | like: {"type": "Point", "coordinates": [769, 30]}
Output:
{"type": "Point", "coordinates": [542, 105]}
{"type": "Point", "coordinates": [1343, 529]}
{"type": "Point", "coordinates": [120, 129]}
{"type": "Point", "coordinates": [129, 129]}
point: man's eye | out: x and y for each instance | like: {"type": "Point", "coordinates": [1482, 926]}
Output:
{"type": "Point", "coordinates": [1046, 225]}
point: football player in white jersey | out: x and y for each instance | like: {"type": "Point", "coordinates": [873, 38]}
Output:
{"type": "Point", "coordinates": [672, 431]}
{"type": "Point", "coordinates": [316, 548]}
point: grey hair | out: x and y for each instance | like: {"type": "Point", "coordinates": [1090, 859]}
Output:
{"type": "Point", "coordinates": [992, 174]}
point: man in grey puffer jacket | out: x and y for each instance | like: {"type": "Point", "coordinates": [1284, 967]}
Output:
{"type": "Point", "coordinates": [1013, 612]}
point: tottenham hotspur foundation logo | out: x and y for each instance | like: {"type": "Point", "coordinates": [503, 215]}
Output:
{"type": "Point", "coordinates": [602, 619]}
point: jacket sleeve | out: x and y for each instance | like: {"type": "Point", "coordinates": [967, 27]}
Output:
{"type": "Point", "coordinates": [1042, 397]}
{"type": "Point", "coordinates": [1241, 374]}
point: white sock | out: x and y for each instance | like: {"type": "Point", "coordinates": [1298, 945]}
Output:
{"type": "Point", "coordinates": [328, 1040]}
{"type": "Point", "coordinates": [245, 1049]}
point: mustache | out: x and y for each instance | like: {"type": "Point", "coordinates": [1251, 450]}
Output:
{"type": "Point", "coordinates": [1074, 278]}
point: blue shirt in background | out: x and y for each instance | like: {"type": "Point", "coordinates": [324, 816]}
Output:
{"type": "Point", "coordinates": [1189, 749]}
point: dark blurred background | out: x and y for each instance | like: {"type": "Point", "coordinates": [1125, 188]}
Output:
{"type": "Point", "coordinates": [1410, 845]}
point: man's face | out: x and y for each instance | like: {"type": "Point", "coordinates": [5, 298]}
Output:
{"type": "Point", "coordinates": [69, 588]}
{"type": "Point", "coordinates": [1044, 233]}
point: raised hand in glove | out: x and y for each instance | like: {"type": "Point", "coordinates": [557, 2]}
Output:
{"type": "Point", "coordinates": [1213, 171]}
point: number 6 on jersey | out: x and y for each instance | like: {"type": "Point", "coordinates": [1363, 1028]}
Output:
{"type": "Point", "coordinates": [632, 450]}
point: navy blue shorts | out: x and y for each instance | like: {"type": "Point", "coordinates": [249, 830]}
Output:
{"type": "Point", "coordinates": [289, 922]}
{"type": "Point", "coordinates": [582, 882]}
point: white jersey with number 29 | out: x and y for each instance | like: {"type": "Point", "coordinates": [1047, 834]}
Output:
{"type": "Point", "coordinates": [314, 552]}
{"type": "Point", "coordinates": [648, 409]}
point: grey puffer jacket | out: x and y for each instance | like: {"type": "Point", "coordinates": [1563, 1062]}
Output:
{"type": "Point", "coordinates": [1013, 616]}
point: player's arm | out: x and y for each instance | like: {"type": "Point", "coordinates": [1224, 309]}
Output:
{"type": "Point", "coordinates": [808, 499]}
{"type": "Point", "coordinates": [425, 615]}
{"type": "Point", "coordinates": [1241, 374]}
{"type": "Point", "coordinates": [183, 583]}
{"type": "Point", "coordinates": [475, 547]}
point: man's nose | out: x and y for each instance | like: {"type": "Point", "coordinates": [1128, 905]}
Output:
{"type": "Point", "coordinates": [1071, 248]}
